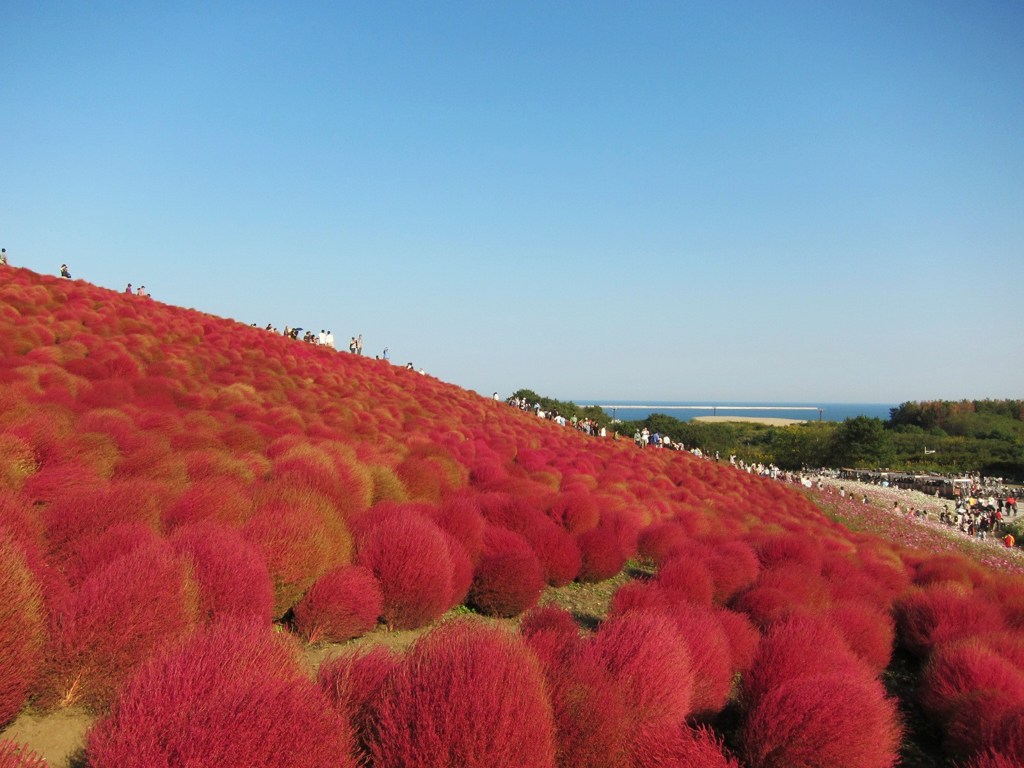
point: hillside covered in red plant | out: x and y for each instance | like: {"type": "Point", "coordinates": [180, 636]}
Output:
{"type": "Point", "coordinates": [174, 487]}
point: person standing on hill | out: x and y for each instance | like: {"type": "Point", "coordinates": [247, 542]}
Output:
{"type": "Point", "coordinates": [141, 291]}
{"type": "Point", "coordinates": [128, 288]}
{"type": "Point", "coordinates": [329, 339]}
{"type": "Point", "coordinates": [3, 257]}
{"type": "Point", "coordinates": [64, 271]}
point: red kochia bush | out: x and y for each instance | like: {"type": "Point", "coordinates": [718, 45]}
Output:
{"type": "Point", "coordinates": [938, 614]}
{"type": "Point", "coordinates": [342, 604]}
{"type": "Point", "coordinates": [352, 682]}
{"type": "Point", "coordinates": [957, 671]}
{"type": "Point", "coordinates": [13, 755]}
{"type": "Point", "coordinates": [119, 616]}
{"type": "Point", "coordinates": [800, 646]}
{"type": "Point", "coordinates": [650, 662]}
{"type": "Point", "coordinates": [469, 695]}
{"type": "Point", "coordinates": [710, 656]}
{"type": "Point", "coordinates": [22, 621]}
{"type": "Point", "coordinates": [680, 746]}
{"type": "Point", "coordinates": [230, 573]}
{"type": "Point", "coordinates": [683, 578]}
{"type": "Point", "coordinates": [232, 695]}
{"type": "Point", "coordinates": [661, 540]}
{"type": "Point", "coordinates": [602, 554]}
{"type": "Point", "coordinates": [508, 579]}
{"type": "Point", "coordinates": [867, 631]}
{"type": "Point", "coordinates": [409, 557]}
{"type": "Point", "coordinates": [828, 720]}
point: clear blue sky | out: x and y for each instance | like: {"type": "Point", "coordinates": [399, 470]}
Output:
{"type": "Point", "coordinates": [667, 201]}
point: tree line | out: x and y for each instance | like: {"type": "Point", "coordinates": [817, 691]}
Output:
{"type": "Point", "coordinates": [948, 437]}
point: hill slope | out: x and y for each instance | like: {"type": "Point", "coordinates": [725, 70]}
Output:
{"type": "Point", "coordinates": [172, 482]}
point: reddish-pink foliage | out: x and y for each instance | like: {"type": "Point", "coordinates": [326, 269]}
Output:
{"type": "Point", "coordinates": [409, 557]}
{"type": "Point", "coordinates": [468, 694]}
{"type": "Point", "coordinates": [787, 548]}
{"type": "Point", "coordinates": [734, 567]}
{"type": "Point", "coordinates": [869, 632]}
{"type": "Point", "coordinates": [743, 638]}
{"type": "Point", "coordinates": [223, 499]}
{"type": "Point", "coordinates": [74, 517]}
{"type": "Point", "coordinates": [593, 719]}
{"type": "Point", "coordinates": [801, 646]}
{"type": "Point", "coordinates": [953, 568]}
{"type": "Point", "coordinates": [650, 662]}
{"type": "Point", "coordinates": [955, 671]}
{"type": "Point", "coordinates": [575, 511]}
{"type": "Point", "coordinates": [301, 541]}
{"type": "Point", "coordinates": [14, 755]}
{"type": "Point", "coordinates": [22, 627]}
{"type": "Point", "coordinates": [508, 579]}
{"type": "Point", "coordinates": [938, 614]}
{"type": "Point", "coordinates": [459, 515]}
{"type": "Point", "coordinates": [342, 604]}
{"type": "Point", "coordinates": [992, 759]}
{"type": "Point", "coordinates": [602, 555]}
{"type": "Point", "coordinates": [682, 578]}
{"type": "Point", "coordinates": [97, 548]}
{"type": "Point", "coordinates": [462, 569]}
{"type": "Point", "coordinates": [231, 695]}
{"type": "Point", "coordinates": [973, 724]}
{"type": "Point", "coordinates": [710, 656]}
{"type": "Point", "coordinates": [638, 596]}
{"type": "Point", "coordinates": [661, 540]}
{"type": "Point", "coordinates": [352, 682]}
{"type": "Point", "coordinates": [679, 745]}
{"type": "Point", "coordinates": [230, 573]}
{"type": "Point", "coordinates": [557, 551]}
{"type": "Point", "coordinates": [823, 720]}
{"type": "Point", "coordinates": [119, 616]}
{"type": "Point", "coordinates": [549, 618]}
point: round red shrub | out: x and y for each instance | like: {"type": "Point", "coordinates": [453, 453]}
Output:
{"type": "Point", "coordinates": [682, 578]}
{"type": "Point", "coordinates": [938, 614]}
{"type": "Point", "coordinates": [119, 616]}
{"type": "Point", "coordinates": [801, 646]}
{"type": "Point", "coordinates": [710, 656]}
{"type": "Point", "coordinates": [734, 567]}
{"type": "Point", "coordinates": [223, 499]}
{"type": "Point", "coordinates": [638, 596]}
{"type": "Point", "coordinates": [650, 662]}
{"type": "Point", "coordinates": [575, 511]}
{"type": "Point", "coordinates": [459, 515]}
{"type": "Point", "coordinates": [557, 551]}
{"type": "Point", "coordinates": [661, 540]}
{"type": "Point", "coordinates": [230, 573]}
{"type": "Point", "coordinates": [97, 548]}
{"type": "Point", "coordinates": [956, 671]}
{"type": "Point", "coordinates": [233, 694]}
{"type": "Point", "coordinates": [342, 604]}
{"type": "Point", "coordinates": [601, 552]}
{"type": "Point", "coordinates": [508, 579]}
{"type": "Point", "coordinates": [743, 638]}
{"type": "Point", "coordinates": [352, 682]}
{"type": "Point", "coordinates": [22, 628]}
{"type": "Point", "coordinates": [468, 694]}
{"type": "Point", "coordinates": [301, 539]}
{"type": "Point", "coordinates": [827, 720]}
{"type": "Point", "coordinates": [867, 631]}
{"type": "Point", "coordinates": [410, 559]}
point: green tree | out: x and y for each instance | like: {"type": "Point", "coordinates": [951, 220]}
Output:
{"type": "Point", "coordinates": [859, 442]}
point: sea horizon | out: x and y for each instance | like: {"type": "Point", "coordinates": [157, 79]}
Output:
{"type": "Point", "coordinates": [629, 410]}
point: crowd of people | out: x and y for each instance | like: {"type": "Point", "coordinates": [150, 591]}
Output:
{"type": "Point", "coordinates": [585, 425]}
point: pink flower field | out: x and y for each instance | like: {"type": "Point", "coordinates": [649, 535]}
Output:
{"type": "Point", "coordinates": [191, 508]}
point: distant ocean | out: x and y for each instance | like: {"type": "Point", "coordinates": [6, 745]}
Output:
{"type": "Point", "coordinates": [829, 411]}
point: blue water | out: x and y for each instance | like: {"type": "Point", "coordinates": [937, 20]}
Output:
{"type": "Point", "coordinates": [829, 411]}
